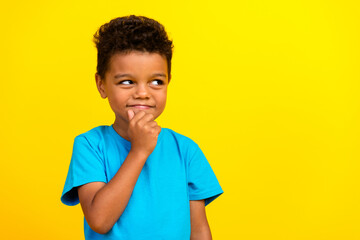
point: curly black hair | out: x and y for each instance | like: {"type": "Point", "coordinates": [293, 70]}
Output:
{"type": "Point", "coordinates": [131, 33]}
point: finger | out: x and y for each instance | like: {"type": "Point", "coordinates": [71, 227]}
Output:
{"type": "Point", "coordinates": [158, 128]}
{"type": "Point", "coordinates": [146, 118]}
{"type": "Point", "coordinates": [152, 124]}
{"type": "Point", "coordinates": [130, 114]}
{"type": "Point", "coordinates": [138, 116]}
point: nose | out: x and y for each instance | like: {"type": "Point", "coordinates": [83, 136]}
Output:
{"type": "Point", "coordinates": [142, 91]}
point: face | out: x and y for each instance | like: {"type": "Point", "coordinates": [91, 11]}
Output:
{"type": "Point", "coordinates": [137, 81]}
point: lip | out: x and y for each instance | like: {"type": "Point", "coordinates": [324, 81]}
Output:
{"type": "Point", "coordinates": [140, 106]}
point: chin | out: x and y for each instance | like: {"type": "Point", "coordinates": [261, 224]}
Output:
{"type": "Point", "coordinates": [144, 110]}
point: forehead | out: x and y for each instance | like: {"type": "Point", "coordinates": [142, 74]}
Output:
{"type": "Point", "coordinates": [137, 62]}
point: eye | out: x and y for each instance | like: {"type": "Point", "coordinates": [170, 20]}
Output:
{"type": "Point", "coordinates": [126, 82]}
{"type": "Point", "coordinates": [157, 82]}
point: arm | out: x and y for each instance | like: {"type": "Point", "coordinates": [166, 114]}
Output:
{"type": "Point", "coordinates": [102, 203]}
{"type": "Point", "coordinates": [200, 229]}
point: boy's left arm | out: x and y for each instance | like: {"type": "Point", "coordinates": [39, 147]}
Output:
{"type": "Point", "coordinates": [200, 229]}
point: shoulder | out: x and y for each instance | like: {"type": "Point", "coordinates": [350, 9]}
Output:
{"type": "Point", "coordinates": [183, 143]}
{"type": "Point", "coordinates": [94, 137]}
{"type": "Point", "coordinates": [171, 134]}
{"type": "Point", "coordinates": [95, 134]}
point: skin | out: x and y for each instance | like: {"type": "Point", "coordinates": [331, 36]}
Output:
{"type": "Point", "coordinates": [136, 87]}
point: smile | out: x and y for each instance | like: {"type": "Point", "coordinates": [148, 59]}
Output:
{"type": "Point", "coordinates": [140, 106]}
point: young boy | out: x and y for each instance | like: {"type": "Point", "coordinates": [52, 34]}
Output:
{"type": "Point", "coordinates": [133, 179]}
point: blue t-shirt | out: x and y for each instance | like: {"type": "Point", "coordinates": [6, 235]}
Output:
{"type": "Point", "coordinates": [175, 172]}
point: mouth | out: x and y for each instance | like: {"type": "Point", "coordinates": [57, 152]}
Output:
{"type": "Point", "coordinates": [140, 106]}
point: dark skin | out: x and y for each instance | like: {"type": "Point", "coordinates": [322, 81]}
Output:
{"type": "Point", "coordinates": [137, 95]}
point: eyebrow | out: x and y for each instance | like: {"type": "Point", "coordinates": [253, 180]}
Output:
{"type": "Point", "coordinates": [129, 75]}
{"type": "Point", "coordinates": [122, 75]}
{"type": "Point", "coordinates": [159, 75]}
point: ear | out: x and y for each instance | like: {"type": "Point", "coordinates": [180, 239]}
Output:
{"type": "Point", "coordinates": [100, 83]}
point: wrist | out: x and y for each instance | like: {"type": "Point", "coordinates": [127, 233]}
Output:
{"type": "Point", "coordinates": [139, 154]}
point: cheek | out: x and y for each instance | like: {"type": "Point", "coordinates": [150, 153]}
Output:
{"type": "Point", "coordinates": [117, 101]}
{"type": "Point", "coordinates": [162, 98]}
{"type": "Point", "coordinates": [162, 103]}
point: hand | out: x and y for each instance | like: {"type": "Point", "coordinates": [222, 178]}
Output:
{"type": "Point", "coordinates": [143, 132]}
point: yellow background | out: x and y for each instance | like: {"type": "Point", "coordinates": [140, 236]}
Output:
{"type": "Point", "coordinates": [268, 89]}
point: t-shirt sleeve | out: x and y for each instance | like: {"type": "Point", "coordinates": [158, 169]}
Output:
{"type": "Point", "coordinates": [87, 165]}
{"type": "Point", "coordinates": [202, 182]}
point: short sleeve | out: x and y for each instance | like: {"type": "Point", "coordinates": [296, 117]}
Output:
{"type": "Point", "coordinates": [202, 182]}
{"type": "Point", "coordinates": [86, 166]}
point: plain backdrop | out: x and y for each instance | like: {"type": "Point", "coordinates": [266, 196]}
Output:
{"type": "Point", "coordinates": [268, 89]}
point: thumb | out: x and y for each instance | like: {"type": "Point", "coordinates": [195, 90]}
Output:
{"type": "Point", "coordinates": [131, 114]}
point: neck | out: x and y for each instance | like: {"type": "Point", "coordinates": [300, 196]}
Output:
{"type": "Point", "coordinates": [121, 127]}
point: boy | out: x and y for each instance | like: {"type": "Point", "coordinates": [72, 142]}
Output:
{"type": "Point", "coordinates": [133, 179]}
